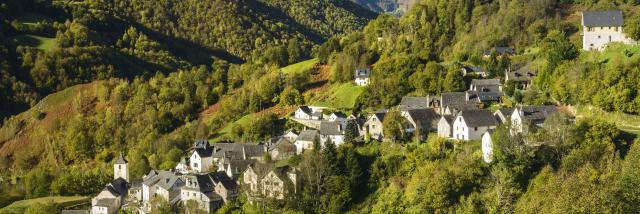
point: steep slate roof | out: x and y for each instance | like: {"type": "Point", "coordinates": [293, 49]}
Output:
{"type": "Point", "coordinates": [485, 82]}
{"type": "Point", "coordinates": [457, 100]}
{"type": "Point", "coordinates": [119, 186]}
{"type": "Point", "coordinates": [340, 114]}
{"type": "Point", "coordinates": [307, 135]}
{"type": "Point", "coordinates": [362, 73]}
{"type": "Point", "coordinates": [424, 117]}
{"type": "Point", "coordinates": [221, 177]}
{"type": "Point", "coordinates": [449, 119]}
{"type": "Point", "coordinates": [120, 160]}
{"type": "Point", "coordinates": [204, 152]}
{"type": "Point", "coordinates": [201, 144]}
{"type": "Point", "coordinates": [306, 110]}
{"type": "Point", "coordinates": [537, 113]}
{"type": "Point", "coordinates": [155, 175]}
{"type": "Point", "coordinates": [602, 18]}
{"type": "Point", "coordinates": [199, 182]}
{"type": "Point", "coordinates": [380, 114]}
{"type": "Point", "coordinates": [478, 118]}
{"type": "Point", "coordinates": [330, 128]}
{"type": "Point", "coordinates": [414, 102]}
{"type": "Point", "coordinates": [241, 149]}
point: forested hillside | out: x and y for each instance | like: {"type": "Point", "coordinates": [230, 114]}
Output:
{"type": "Point", "coordinates": [50, 45]}
{"type": "Point", "coordinates": [147, 78]}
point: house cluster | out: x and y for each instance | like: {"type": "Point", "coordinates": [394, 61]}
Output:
{"type": "Point", "coordinates": [208, 178]}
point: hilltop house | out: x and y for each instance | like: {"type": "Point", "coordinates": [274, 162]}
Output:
{"type": "Point", "coordinates": [487, 146]}
{"type": "Point", "coordinates": [421, 121]}
{"type": "Point", "coordinates": [500, 51]}
{"type": "Point", "coordinates": [373, 126]}
{"type": "Point", "coordinates": [361, 77]}
{"type": "Point", "coordinates": [471, 124]}
{"type": "Point", "coordinates": [333, 131]}
{"type": "Point", "coordinates": [599, 28]}
{"type": "Point", "coordinates": [485, 90]}
{"type": "Point", "coordinates": [524, 116]}
{"type": "Point", "coordinates": [445, 125]}
{"type": "Point", "coordinates": [309, 113]}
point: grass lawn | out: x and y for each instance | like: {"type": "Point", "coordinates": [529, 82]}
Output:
{"type": "Point", "coordinates": [300, 66]}
{"type": "Point", "coordinates": [20, 206]}
{"type": "Point", "coordinates": [340, 96]}
{"type": "Point", "coordinates": [42, 43]}
{"type": "Point", "coordinates": [614, 52]}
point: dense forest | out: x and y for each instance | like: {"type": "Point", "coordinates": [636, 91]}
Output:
{"type": "Point", "coordinates": [136, 77]}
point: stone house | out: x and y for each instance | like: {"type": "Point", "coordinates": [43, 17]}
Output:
{"type": "Point", "coordinates": [600, 28]}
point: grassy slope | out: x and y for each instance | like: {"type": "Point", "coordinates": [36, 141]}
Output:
{"type": "Point", "coordinates": [24, 130]}
{"type": "Point", "coordinates": [42, 43]}
{"type": "Point", "coordinates": [341, 96]}
{"type": "Point", "coordinates": [21, 206]}
{"type": "Point", "coordinates": [626, 122]}
{"type": "Point", "coordinates": [304, 66]}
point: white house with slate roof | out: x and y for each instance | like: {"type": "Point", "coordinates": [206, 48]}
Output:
{"type": "Point", "coordinates": [201, 159]}
{"type": "Point", "coordinates": [200, 188]}
{"type": "Point", "coordinates": [333, 131]}
{"type": "Point", "coordinates": [445, 126]}
{"type": "Point", "coordinates": [600, 28]}
{"type": "Point", "coordinates": [361, 77]}
{"type": "Point", "coordinates": [305, 140]}
{"type": "Point", "coordinates": [453, 102]}
{"type": "Point", "coordinates": [530, 115]}
{"type": "Point", "coordinates": [471, 124]}
{"type": "Point", "coordinates": [309, 113]}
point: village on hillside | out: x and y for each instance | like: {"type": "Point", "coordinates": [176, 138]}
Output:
{"type": "Point", "coordinates": [216, 173]}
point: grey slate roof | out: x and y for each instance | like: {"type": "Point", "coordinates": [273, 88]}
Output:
{"type": "Point", "coordinates": [170, 182]}
{"type": "Point", "coordinates": [330, 128]}
{"type": "Point", "coordinates": [340, 114]}
{"type": "Point", "coordinates": [155, 175]}
{"type": "Point", "coordinates": [307, 135]}
{"type": "Point", "coordinates": [380, 114]}
{"type": "Point", "coordinates": [362, 73]}
{"type": "Point", "coordinates": [201, 144]}
{"type": "Point", "coordinates": [235, 150]}
{"type": "Point", "coordinates": [424, 117]}
{"type": "Point", "coordinates": [478, 118]}
{"type": "Point", "coordinates": [524, 74]}
{"type": "Point", "coordinates": [306, 110]}
{"type": "Point", "coordinates": [221, 177]}
{"type": "Point", "coordinates": [199, 182]}
{"type": "Point", "coordinates": [458, 100]}
{"type": "Point", "coordinates": [537, 113]}
{"type": "Point", "coordinates": [119, 186]}
{"type": "Point", "coordinates": [485, 82]}
{"type": "Point", "coordinates": [120, 160]}
{"type": "Point", "coordinates": [449, 119]}
{"type": "Point", "coordinates": [414, 102]}
{"type": "Point", "coordinates": [204, 152]}
{"type": "Point", "coordinates": [609, 18]}
{"type": "Point", "coordinates": [501, 51]}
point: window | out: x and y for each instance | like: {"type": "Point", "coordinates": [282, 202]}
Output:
{"type": "Point", "coordinates": [475, 129]}
{"type": "Point", "coordinates": [195, 165]}
{"type": "Point", "coordinates": [598, 37]}
{"type": "Point", "coordinates": [616, 29]}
